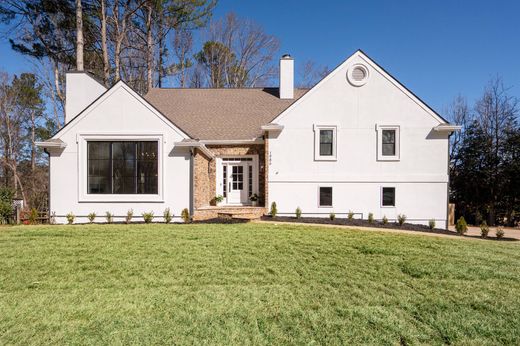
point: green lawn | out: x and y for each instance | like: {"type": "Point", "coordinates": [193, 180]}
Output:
{"type": "Point", "coordinates": [253, 284]}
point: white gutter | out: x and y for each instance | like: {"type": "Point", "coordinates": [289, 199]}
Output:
{"type": "Point", "coordinates": [232, 141]}
{"type": "Point", "coordinates": [447, 128]}
{"type": "Point", "coordinates": [198, 145]}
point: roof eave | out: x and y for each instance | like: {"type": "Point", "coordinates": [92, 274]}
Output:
{"type": "Point", "coordinates": [447, 128]}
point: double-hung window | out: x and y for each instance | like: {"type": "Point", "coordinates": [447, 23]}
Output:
{"type": "Point", "coordinates": [122, 167]}
{"type": "Point", "coordinates": [388, 143]}
{"type": "Point", "coordinates": [325, 140]}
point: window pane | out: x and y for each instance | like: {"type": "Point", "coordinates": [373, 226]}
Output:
{"type": "Point", "coordinates": [99, 169]}
{"type": "Point", "coordinates": [326, 142]}
{"type": "Point", "coordinates": [388, 149]}
{"type": "Point", "coordinates": [389, 196]}
{"type": "Point", "coordinates": [98, 150]}
{"type": "Point", "coordinates": [388, 142]}
{"type": "Point", "coordinates": [325, 196]}
{"type": "Point", "coordinates": [147, 167]}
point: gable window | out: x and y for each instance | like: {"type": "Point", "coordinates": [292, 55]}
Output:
{"type": "Point", "coordinates": [325, 143]}
{"type": "Point", "coordinates": [122, 167]}
{"type": "Point", "coordinates": [325, 196]}
{"type": "Point", "coordinates": [388, 196]}
{"type": "Point", "coordinates": [388, 143]}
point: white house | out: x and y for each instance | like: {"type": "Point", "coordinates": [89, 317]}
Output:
{"type": "Point", "coordinates": [357, 141]}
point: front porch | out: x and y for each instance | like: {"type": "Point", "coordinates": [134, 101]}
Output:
{"type": "Point", "coordinates": [225, 177]}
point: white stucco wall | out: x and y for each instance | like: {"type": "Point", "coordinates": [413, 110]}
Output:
{"type": "Point", "coordinates": [420, 176]}
{"type": "Point", "coordinates": [81, 90]}
{"type": "Point", "coordinates": [120, 113]}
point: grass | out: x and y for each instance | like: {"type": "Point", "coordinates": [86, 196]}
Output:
{"type": "Point", "coordinates": [253, 284]}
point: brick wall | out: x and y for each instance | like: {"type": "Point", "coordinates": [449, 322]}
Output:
{"type": "Point", "coordinates": [205, 171]}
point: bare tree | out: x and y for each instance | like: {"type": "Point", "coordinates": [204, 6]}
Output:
{"type": "Point", "coordinates": [311, 73]}
{"type": "Point", "coordinates": [458, 113]}
{"type": "Point", "coordinates": [104, 45]}
{"type": "Point", "coordinates": [238, 53]}
{"type": "Point", "coordinates": [79, 36]}
{"type": "Point", "coordinates": [182, 48]}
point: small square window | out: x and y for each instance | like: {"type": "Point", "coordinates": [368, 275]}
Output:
{"type": "Point", "coordinates": [325, 197]}
{"type": "Point", "coordinates": [388, 197]}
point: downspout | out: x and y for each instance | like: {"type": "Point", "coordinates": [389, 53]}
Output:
{"type": "Point", "coordinates": [448, 187]}
{"type": "Point", "coordinates": [48, 185]}
{"type": "Point", "coordinates": [192, 181]}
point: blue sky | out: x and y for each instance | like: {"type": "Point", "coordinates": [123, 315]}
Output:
{"type": "Point", "coordinates": [438, 49]}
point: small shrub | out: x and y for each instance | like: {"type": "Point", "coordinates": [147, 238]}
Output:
{"type": "Point", "coordinates": [91, 217]}
{"type": "Point", "coordinates": [370, 218]}
{"type": "Point", "coordinates": [274, 209]}
{"type": "Point", "coordinates": [332, 216]}
{"type": "Point", "coordinates": [401, 219]}
{"type": "Point", "coordinates": [168, 216]}
{"type": "Point", "coordinates": [499, 233]}
{"type": "Point", "coordinates": [52, 219]}
{"type": "Point", "coordinates": [33, 216]}
{"type": "Point", "coordinates": [70, 218]}
{"type": "Point", "coordinates": [185, 215]}
{"type": "Point", "coordinates": [148, 217]}
{"type": "Point", "coordinates": [298, 213]}
{"type": "Point", "coordinates": [219, 199]}
{"type": "Point", "coordinates": [129, 216]}
{"type": "Point", "coordinates": [385, 220]}
{"type": "Point", "coordinates": [484, 229]}
{"type": "Point", "coordinates": [254, 197]}
{"type": "Point", "coordinates": [109, 217]}
{"type": "Point", "coordinates": [350, 215]}
{"type": "Point", "coordinates": [431, 224]}
{"type": "Point", "coordinates": [461, 226]}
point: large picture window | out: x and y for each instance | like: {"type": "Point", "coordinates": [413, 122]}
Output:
{"type": "Point", "coordinates": [122, 167]}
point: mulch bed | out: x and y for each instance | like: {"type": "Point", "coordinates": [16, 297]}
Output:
{"type": "Point", "coordinates": [357, 222]}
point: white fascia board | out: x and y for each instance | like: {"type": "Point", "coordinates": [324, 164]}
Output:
{"type": "Point", "coordinates": [197, 145]}
{"type": "Point", "coordinates": [447, 128]}
{"type": "Point", "coordinates": [272, 127]}
{"type": "Point", "coordinates": [51, 145]}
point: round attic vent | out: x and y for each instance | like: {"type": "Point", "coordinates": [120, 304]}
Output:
{"type": "Point", "coordinates": [357, 75]}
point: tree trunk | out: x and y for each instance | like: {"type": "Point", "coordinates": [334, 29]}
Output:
{"type": "Point", "coordinates": [149, 46]}
{"type": "Point", "coordinates": [106, 67]}
{"type": "Point", "coordinates": [33, 140]}
{"type": "Point", "coordinates": [79, 36]}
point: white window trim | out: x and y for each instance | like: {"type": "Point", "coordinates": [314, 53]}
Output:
{"type": "Point", "coordinates": [317, 156]}
{"type": "Point", "coordinates": [380, 156]}
{"type": "Point", "coordinates": [325, 206]}
{"type": "Point", "coordinates": [395, 196]}
{"type": "Point", "coordinates": [84, 196]}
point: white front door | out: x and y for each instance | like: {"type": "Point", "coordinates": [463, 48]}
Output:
{"type": "Point", "coordinates": [237, 183]}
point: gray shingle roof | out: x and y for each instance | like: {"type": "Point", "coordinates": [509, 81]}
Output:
{"type": "Point", "coordinates": [220, 114]}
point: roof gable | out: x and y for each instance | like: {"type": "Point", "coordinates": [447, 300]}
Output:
{"type": "Point", "coordinates": [359, 53]}
{"type": "Point", "coordinates": [120, 85]}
